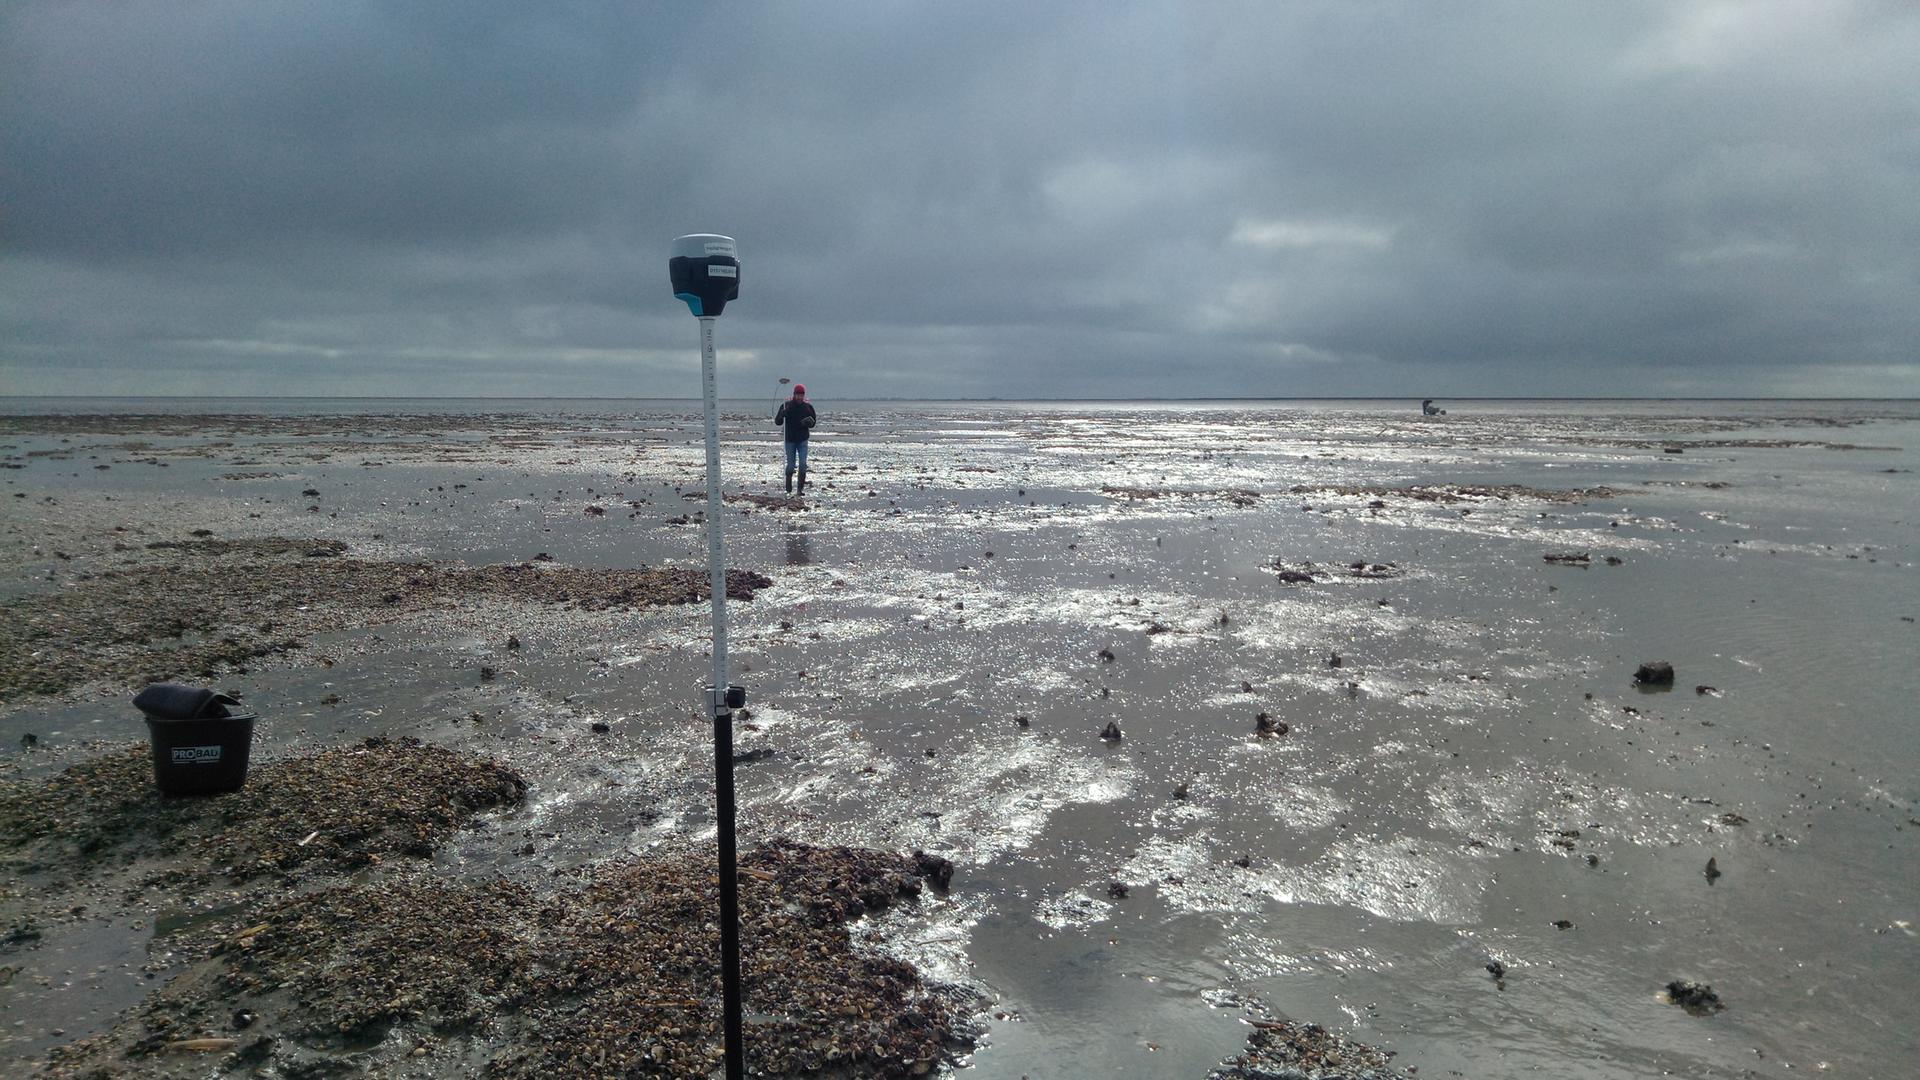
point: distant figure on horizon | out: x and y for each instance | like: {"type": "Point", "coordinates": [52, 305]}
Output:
{"type": "Point", "coordinates": [796, 415]}
{"type": "Point", "coordinates": [1427, 409]}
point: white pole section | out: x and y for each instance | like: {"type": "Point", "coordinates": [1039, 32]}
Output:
{"type": "Point", "coordinates": [716, 542]}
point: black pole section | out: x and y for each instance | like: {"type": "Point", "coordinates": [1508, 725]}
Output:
{"type": "Point", "coordinates": [729, 894]}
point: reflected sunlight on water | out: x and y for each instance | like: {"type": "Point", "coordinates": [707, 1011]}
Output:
{"type": "Point", "coordinates": [1477, 769]}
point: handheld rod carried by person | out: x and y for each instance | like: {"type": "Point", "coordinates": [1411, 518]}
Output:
{"type": "Point", "coordinates": [706, 274]}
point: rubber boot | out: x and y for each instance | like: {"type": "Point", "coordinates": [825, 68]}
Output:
{"type": "Point", "coordinates": [790, 481]}
{"type": "Point", "coordinates": [803, 481]}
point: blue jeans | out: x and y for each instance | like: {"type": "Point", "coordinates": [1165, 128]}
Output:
{"type": "Point", "coordinates": [797, 450]}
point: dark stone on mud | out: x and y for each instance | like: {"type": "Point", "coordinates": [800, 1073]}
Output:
{"type": "Point", "coordinates": [1563, 924]}
{"type": "Point", "coordinates": [243, 1019]}
{"type": "Point", "coordinates": [1696, 997]}
{"type": "Point", "coordinates": [1266, 726]}
{"type": "Point", "coordinates": [1295, 577]}
{"type": "Point", "coordinates": [1106, 656]}
{"type": "Point", "coordinates": [935, 869]}
{"type": "Point", "coordinates": [1111, 732]}
{"type": "Point", "coordinates": [1707, 691]}
{"type": "Point", "coordinates": [1180, 790]}
{"type": "Point", "coordinates": [1364, 569]}
{"type": "Point", "coordinates": [601, 727]}
{"type": "Point", "coordinates": [1023, 721]}
{"type": "Point", "coordinates": [1333, 660]}
{"type": "Point", "coordinates": [1117, 890]}
{"type": "Point", "coordinates": [1654, 673]}
{"type": "Point", "coordinates": [1570, 558]}
{"type": "Point", "coordinates": [513, 641]}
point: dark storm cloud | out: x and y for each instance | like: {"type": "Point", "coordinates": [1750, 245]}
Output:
{"type": "Point", "coordinates": [1111, 199]}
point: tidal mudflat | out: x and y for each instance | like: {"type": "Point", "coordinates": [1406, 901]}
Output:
{"type": "Point", "coordinates": [1378, 789]}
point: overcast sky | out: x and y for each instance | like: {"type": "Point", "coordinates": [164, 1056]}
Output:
{"type": "Point", "coordinates": [962, 199]}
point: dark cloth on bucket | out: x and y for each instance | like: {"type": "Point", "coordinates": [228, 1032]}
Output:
{"type": "Point", "coordinates": [177, 701]}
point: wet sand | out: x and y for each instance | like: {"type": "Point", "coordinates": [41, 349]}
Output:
{"type": "Point", "coordinates": [1468, 778]}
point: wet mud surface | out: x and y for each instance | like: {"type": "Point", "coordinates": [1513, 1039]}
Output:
{"type": "Point", "coordinates": [1414, 812]}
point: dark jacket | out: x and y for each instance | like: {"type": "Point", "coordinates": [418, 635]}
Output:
{"type": "Point", "coordinates": [802, 416]}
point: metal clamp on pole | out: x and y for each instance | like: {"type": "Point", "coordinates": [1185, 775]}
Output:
{"type": "Point", "coordinates": [721, 702]}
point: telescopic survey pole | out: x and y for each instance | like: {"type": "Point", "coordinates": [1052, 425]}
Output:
{"type": "Point", "coordinates": [706, 274]}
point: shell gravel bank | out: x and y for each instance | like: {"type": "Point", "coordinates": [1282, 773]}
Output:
{"type": "Point", "coordinates": [1458, 493]}
{"type": "Point", "coordinates": [615, 974]}
{"type": "Point", "coordinates": [328, 812]}
{"type": "Point", "coordinates": [1284, 1050]}
{"type": "Point", "coordinates": [106, 887]}
{"type": "Point", "coordinates": [329, 941]}
{"type": "Point", "coordinates": [203, 607]}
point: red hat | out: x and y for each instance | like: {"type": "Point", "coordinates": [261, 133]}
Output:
{"type": "Point", "coordinates": [799, 389]}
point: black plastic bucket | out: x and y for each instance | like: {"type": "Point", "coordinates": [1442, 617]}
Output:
{"type": "Point", "coordinates": [201, 738]}
{"type": "Point", "coordinates": [201, 756]}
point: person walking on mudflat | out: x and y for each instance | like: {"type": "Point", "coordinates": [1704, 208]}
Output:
{"type": "Point", "coordinates": [796, 415]}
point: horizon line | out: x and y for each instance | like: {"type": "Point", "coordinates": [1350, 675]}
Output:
{"type": "Point", "coordinates": [897, 397]}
